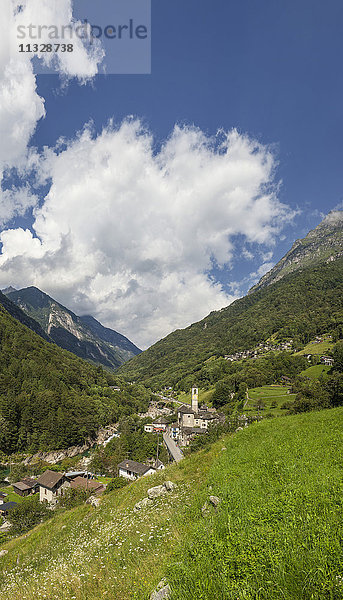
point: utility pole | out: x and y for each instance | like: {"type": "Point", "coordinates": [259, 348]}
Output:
{"type": "Point", "coordinates": [158, 443]}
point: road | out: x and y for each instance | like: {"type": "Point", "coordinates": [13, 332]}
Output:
{"type": "Point", "coordinates": [173, 449]}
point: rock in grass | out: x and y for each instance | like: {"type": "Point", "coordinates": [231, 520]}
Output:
{"type": "Point", "coordinates": [143, 504]}
{"type": "Point", "coordinates": [215, 501]}
{"type": "Point", "coordinates": [156, 491]}
{"type": "Point", "coordinates": [162, 591]}
{"type": "Point", "coordinates": [170, 486]}
{"type": "Point", "coordinates": [94, 501]}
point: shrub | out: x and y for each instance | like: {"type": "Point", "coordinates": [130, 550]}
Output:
{"type": "Point", "coordinates": [116, 483]}
{"type": "Point", "coordinates": [28, 514]}
{"type": "Point", "coordinates": [73, 497]}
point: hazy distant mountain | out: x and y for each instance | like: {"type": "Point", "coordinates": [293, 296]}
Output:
{"type": "Point", "coordinates": [322, 244]}
{"type": "Point", "coordinates": [84, 336]}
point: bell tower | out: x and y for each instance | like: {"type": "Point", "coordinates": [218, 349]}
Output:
{"type": "Point", "coordinates": [195, 396]}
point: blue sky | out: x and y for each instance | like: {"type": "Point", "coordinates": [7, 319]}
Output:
{"type": "Point", "coordinates": [270, 69]}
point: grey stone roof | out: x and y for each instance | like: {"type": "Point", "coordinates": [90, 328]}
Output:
{"type": "Point", "coordinates": [7, 506]}
{"type": "Point", "coordinates": [189, 430]}
{"type": "Point", "coordinates": [186, 409]}
{"type": "Point", "coordinates": [49, 479]}
{"type": "Point", "coordinates": [134, 467]}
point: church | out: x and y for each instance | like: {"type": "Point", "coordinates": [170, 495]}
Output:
{"type": "Point", "coordinates": [193, 420]}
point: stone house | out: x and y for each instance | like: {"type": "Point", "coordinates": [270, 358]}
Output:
{"type": "Point", "coordinates": [130, 469]}
{"type": "Point", "coordinates": [26, 487]}
{"type": "Point", "coordinates": [51, 486]}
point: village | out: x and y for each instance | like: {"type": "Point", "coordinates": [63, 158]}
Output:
{"type": "Point", "coordinates": [192, 421]}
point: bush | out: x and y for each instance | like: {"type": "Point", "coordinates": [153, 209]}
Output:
{"type": "Point", "coordinates": [29, 513]}
{"type": "Point", "coordinates": [116, 483]}
{"type": "Point", "coordinates": [73, 497]}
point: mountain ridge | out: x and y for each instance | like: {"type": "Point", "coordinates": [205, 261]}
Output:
{"type": "Point", "coordinates": [84, 336]}
{"type": "Point", "coordinates": [298, 304]}
{"type": "Point", "coordinates": [324, 243]}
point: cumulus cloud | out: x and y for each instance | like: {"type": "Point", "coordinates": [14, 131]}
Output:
{"type": "Point", "coordinates": [21, 107]}
{"type": "Point", "coordinates": [15, 202]}
{"type": "Point", "coordinates": [131, 235]}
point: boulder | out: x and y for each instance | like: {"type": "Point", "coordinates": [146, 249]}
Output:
{"type": "Point", "coordinates": [170, 486]}
{"type": "Point", "coordinates": [93, 501]}
{"type": "Point", "coordinates": [143, 504]}
{"type": "Point", "coordinates": [156, 491]}
{"type": "Point", "coordinates": [215, 501]}
{"type": "Point", "coordinates": [162, 591]}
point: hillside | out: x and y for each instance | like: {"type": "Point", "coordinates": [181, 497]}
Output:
{"type": "Point", "coordinates": [299, 306]}
{"type": "Point", "coordinates": [21, 316]}
{"type": "Point", "coordinates": [322, 244]}
{"type": "Point", "coordinates": [50, 399]}
{"type": "Point", "coordinates": [277, 532]}
{"type": "Point", "coordinates": [83, 336]}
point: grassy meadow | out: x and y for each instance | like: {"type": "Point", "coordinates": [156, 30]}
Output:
{"type": "Point", "coordinates": [272, 397]}
{"type": "Point", "coordinates": [277, 533]}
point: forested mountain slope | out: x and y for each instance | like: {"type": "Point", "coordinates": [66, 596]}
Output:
{"type": "Point", "coordinates": [50, 399]}
{"type": "Point", "coordinates": [299, 306]}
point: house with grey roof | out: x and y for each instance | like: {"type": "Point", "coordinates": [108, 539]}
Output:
{"type": "Point", "coordinates": [192, 420]}
{"type": "Point", "coordinates": [130, 469]}
{"type": "Point", "coordinates": [52, 485]}
{"type": "Point", "coordinates": [26, 486]}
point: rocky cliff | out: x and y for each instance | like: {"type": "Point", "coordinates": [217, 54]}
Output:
{"type": "Point", "coordinates": [322, 244]}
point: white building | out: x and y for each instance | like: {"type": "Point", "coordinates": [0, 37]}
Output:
{"type": "Point", "coordinates": [130, 469]}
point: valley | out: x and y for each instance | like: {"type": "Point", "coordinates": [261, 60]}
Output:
{"type": "Point", "coordinates": [208, 464]}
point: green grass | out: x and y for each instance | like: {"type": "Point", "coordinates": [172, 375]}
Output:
{"type": "Point", "coordinates": [316, 371]}
{"type": "Point", "coordinates": [320, 349]}
{"type": "Point", "coordinates": [11, 496]}
{"type": "Point", "coordinates": [276, 534]}
{"type": "Point", "coordinates": [278, 530]}
{"type": "Point", "coordinates": [270, 395]}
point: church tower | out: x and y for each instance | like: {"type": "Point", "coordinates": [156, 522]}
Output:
{"type": "Point", "coordinates": [195, 395]}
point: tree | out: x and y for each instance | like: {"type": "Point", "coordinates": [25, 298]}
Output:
{"type": "Point", "coordinates": [337, 354]}
{"type": "Point", "coordinates": [29, 513]}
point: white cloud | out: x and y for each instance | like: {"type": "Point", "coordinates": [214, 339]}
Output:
{"type": "Point", "coordinates": [15, 202]}
{"type": "Point", "coordinates": [130, 235]}
{"type": "Point", "coordinates": [21, 107]}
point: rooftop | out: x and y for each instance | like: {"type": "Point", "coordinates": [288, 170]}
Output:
{"type": "Point", "coordinates": [87, 484]}
{"type": "Point", "coordinates": [50, 478]}
{"type": "Point", "coordinates": [134, 467]}
{"type": "Point", "coordinates": [7, 506]}
{"type": "Point", "coordinates": [186, 409]}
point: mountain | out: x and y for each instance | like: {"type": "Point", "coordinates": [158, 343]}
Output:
{"type": "Point", "coordinates": [21, 316]}
{"type": "Point", "coordinates": [49, 398]}
{"type": "Point", "coordinates": [322, 244]}
{"type": "Point", "coordinates": [300, 306]}
{"type": "Point", "coordinates": [84, 336]}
